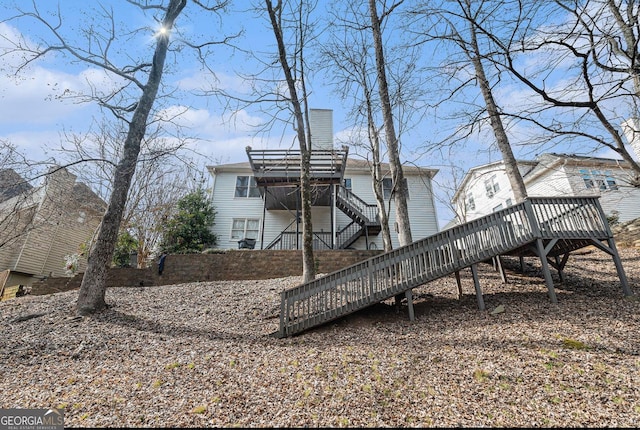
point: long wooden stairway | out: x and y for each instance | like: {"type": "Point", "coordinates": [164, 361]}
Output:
{"type": "Point", "coordinates": [549, 228]}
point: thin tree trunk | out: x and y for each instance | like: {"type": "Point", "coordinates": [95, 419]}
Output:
{"type": "Point", "coordinates": [308, 263]}
{"type": "Point", "coordinates": [502, 140]}
{"type": "Point", "coordinates": [376, 174]}
{"type": "Point", "coordinates": [93, 287]}
{"type": "Point", "coordinates": [399, 184]}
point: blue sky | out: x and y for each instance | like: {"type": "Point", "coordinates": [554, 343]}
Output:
{"type": "Point", "coordinates": [34, 117]}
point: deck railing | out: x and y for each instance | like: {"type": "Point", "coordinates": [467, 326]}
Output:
{"type": "Point", "coordinates": [293, 240]}
{"type": "Point", "coordinates": [386, 275]}
{"type": "Point", "coordinates": [366, 212]}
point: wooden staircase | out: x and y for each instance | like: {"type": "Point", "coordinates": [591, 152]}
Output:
{"type": "Point", "coordinates": [365, 220]}
{"type": "Point", "coordinates": [549, 228]}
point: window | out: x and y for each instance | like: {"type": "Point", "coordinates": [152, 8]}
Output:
{"type": "Point", "coordinates": [245, 228]}
{"type": "Point", "coordinates": [246, 187]}
{"type": "Point", "coordinates": [347, 183]}
{"type": "Point", "coordinates": [492, 186]}
{"type": "Point", "coordinates": [611, 181]}
{"type": "Point", "coordinates": [387, 188]}
{"type": "Point", "coordinates": [508, 202]}
{"type": "Point", "coordinates": [596, 179]}
{"type": "Point", "coordinates": [469, 203]}
{"type": "Point", "coordinates": [497, 208]}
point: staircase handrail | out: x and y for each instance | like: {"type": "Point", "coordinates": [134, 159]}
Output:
{"type": "Point", "coordinates": [386, 275]}
{"type": "Point", "coordinates": [368, 212]}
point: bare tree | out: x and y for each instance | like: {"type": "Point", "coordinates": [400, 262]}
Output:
{"type": "Point", "coordinates": [347, 58]}
{"type": "Point", "coordinates": [164, 173]}
{"type": "Point", "coordinates": [292, 16]}
{"type": "Point", "coordinates": [399, 191]}
{"type": "Point", "coordinates": [132, 101]}
{"type": "Point", "coordinates": [595, 50]}
{"type": "Point", "coordinates": [455, 22]}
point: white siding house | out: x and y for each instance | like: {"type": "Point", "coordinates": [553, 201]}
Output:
{"type": "Point", "coordinates": [260, 199]}
{"type": "Point", "coordinates": [550, 175]}
{"type": "Point", "coordinates": [241, 212]}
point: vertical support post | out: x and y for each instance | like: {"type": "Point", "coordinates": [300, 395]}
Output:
{"type": "Point", "coordinates": [618, 262]}
{"type": "Point", "coordinates": [264, 215]}
{"type": "Point", "coordinates": [283, 317]}
{"type": "Point", "coordinates": [476, 283]}
{"type": "Point", "coordinates": [521, 264]}
{"type": "Point", "coordinates": [332, 193]}
{"type": "Point", "coordinates": [614, 252]}
{"type": "Point", "coordinates": [409, 295]}
{"type": "Point", "coordinates": [545, 270]}
{"type": "Point", "coordinates": [459, 283]}
{"type": "Point", "coordinates": [500, 268]}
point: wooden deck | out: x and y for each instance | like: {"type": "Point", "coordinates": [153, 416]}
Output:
{"type": "Point", "coordinates": [549, 228]}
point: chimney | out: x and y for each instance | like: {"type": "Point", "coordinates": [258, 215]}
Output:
{"type": "Point", "coordinates": [321, 126]}
{"type": "Point", "coordinates": [631, 129]}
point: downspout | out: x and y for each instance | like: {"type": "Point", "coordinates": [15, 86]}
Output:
{"type": "Point", "coordinates": [298, 218]}
{"type": "Point", "coordinates": [264, 214]}
{"type": "Point", "coordinates": [333, 217]}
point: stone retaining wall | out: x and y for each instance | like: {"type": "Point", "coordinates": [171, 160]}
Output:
{"type": "Point", "coordinates": [224, 266]}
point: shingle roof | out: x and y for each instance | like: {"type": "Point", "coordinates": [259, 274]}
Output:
{"type": "Point", "coordinates": [12, 184]}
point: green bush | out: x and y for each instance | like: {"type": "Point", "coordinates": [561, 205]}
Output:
{"type": "Point", "coordinates": [125, 246]}
{"type": "Point", "coordinates": [188, 231]}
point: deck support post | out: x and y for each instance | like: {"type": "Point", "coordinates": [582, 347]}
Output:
{"type": "Point", "coordinates": [476, 283]}
{"type": "Point", "coordinates": [409, 295]}
{"type": "Point", "coordinates": [618, 262]}
{"type": "Point", "coordinates": [500, 269]}
{"type": "Point", "coordinates": [521, 258]}
{"type": "Point", "coordinates": [613, 251]}
{"type": "Point", "coordinates": [459, 283]}
{"type": "Point", "coordinates": [545, 270]}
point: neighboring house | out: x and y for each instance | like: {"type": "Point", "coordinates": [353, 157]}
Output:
{"type": "Point", "coordinates": [259, 200]}
{"type": "Point", "coordinates": [486, 189]}
{"type": "Point", "coordinates": [40, 226]}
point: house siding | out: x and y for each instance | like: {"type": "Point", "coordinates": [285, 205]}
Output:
{"type": "Point", "coordinates": [554, 176]}
{"type": "Point", "coordinates": [421, 208]}
{"type": "Point", "coordinates": [62, 216]}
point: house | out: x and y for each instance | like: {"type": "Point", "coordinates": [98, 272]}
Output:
{"type": "Point", "coordinates": [258, 201]}
{"type": "Point", "coordinates": [40, 225]}
{"type": "Point", "coordinates": [486, 189]}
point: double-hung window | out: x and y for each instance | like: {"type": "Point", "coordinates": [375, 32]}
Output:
{"type": "Point", "coordinates": [597, 179]}
{"type": "Point", "coordinates": [245, 228]}
{"type": "Point", "coordinates": [387, 188]}
{"type": "Point", "coordinates": [246, 187]}
{"type": "Point", "coordinates": [470, 203]}
{"type": "Point", "coordinates": [492, 186]}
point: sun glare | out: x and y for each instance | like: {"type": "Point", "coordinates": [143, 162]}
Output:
{"type": "Point", "coordinates": [162, 31]}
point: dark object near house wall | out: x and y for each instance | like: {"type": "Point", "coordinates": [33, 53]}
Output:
{"type": "Point", "coordinates": [161, 263]}
{"type": "Point", "coordinates": [247, 244]}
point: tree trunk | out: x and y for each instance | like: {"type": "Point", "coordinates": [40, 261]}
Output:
{"type": "Point", "coordinates": [93, 287]}
{"type": "Point", "coordinates": [308, 263]}
{"type": "Point", "coordinates": [399, 191]}
{"type": "Point", "coordinates": [376, 175]}
{"type": "Point", "coordinates": [502, 140]}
